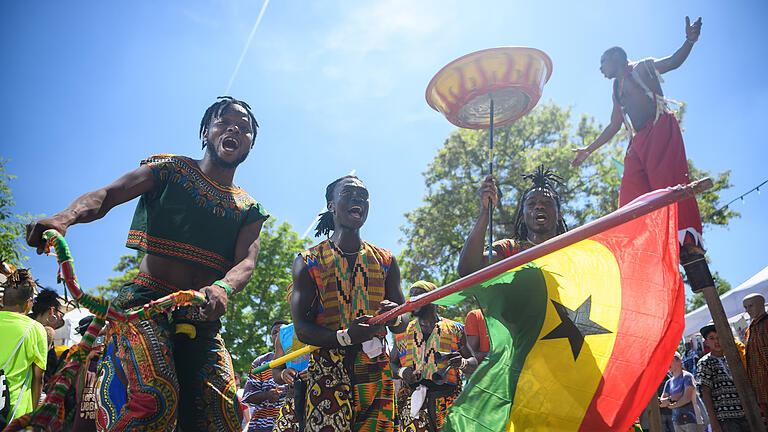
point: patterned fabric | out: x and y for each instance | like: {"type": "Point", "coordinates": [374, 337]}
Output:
{"type": "Point", "coordinates": [286, 420]}
{"type": "Point", "coordinates": [757, 361]}
{"type": "Point", "coordinates": [725, 398]}
{"type": "Point", "coordinates": [263, 414]}
{"type": "Point", "coordinates": [338, 400]}
{"type": "Point", "coordinates": [438, 400]}
{"type": "Point", "coordinates": [343, 293]}
{"type": "Point", "coordinates": [189, 217]}
{"type": "Point", "coordinates": [509, 247]}
{"type": "Point", "coordinates": [419, 353]}
{"type": "Point", "coordinates": [142, 289]}
{"type": "Point", "coordinates": [148, 376]}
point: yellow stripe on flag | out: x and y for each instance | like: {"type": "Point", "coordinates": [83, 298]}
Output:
{"type": "Point", "coordinates": [554, 391]}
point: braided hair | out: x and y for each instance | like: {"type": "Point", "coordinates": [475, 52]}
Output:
{"type": "Point", "coordinates": [543, 180]}
{"type": "Point", "coordinates": [325, 224]}
{"type": "Point", "coordinates": [18, 287]}
{"type": "Point", "coordinates": [214, 111]}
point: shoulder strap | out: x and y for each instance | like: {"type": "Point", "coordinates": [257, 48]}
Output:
{"type": "Point", "coordinates": [18, 346]}
{"type": "Point", "coordinates": [21, 394]}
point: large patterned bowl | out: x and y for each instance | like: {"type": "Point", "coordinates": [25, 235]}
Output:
{"type": "Point", "coordinates": [513, 76]}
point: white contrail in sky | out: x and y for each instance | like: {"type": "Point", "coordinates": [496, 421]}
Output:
{"type": "Point", "coordinates": [317, 218]}
{"type": "Point", "coordinates": [245, 49]}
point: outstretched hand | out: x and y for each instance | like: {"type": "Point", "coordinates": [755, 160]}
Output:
{"type": "Point", "coordinates": [692, 31]}
{"type": "Point", "coordinates": [581, 156]}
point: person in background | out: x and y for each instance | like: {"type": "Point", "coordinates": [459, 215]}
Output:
{"type": "Point", "coordinates": [262, 394]}
{"type": "Point", "coordinates": [85, 383]}
{"type": "Point", "coordinates": [23, 345]}
{"type": "Point", "coordinates": [757, 350]}
{"type": "Point", "coordinates": [477, 334]}
{"type": "Point", "coordinates": [47, 309]}
{"type": "Point", "coordinates": [718, 391]}
{"type": "Point", "coordinates": [680, 395]}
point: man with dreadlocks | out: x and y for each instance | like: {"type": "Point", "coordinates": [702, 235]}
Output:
{"type": "Point", "coordinates": [430, 358]}
{"type": "Point", "coordinates": [656, 155]}
{"type": "Point", "coordinates": [199, 231]}
{"type": "Point", "coordinates": [338, 285]}
{"type": "Point", "coordinates": [538, 218]}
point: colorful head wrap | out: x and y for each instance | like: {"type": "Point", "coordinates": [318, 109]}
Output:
{"type": "Point", "coordinates": [426, 286]}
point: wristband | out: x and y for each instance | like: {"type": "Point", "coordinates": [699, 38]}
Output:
{"type": "Point", "coordinates": [463, 364]}
{"type": "Point", "coordinates": [691, 41]}
{"type": "Point", "coordinates": [398, 321]}
{"type": "Point", "coordinates": [400, 372]}
{"type": "Point", "coordinates": [224, 285]}
{"type": "Point", "coordinates": [342, 336]}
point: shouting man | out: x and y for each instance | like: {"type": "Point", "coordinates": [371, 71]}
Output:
{"type": "Point", "coordinates": [337, 286]}
{"type": "Point", "coordinates": [199, 231]}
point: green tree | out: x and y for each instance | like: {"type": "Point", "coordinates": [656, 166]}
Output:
{"type": "Point", "coordinates": [12, 225]}
{"type": "Point", "coordinates": [435, 232]}
{"type": "Point", "coordinates": [251, 312]}
{"type": "Point", "coordinates": [128, 266]}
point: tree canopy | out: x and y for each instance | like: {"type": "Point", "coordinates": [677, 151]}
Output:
{"type": "Point", "coordinates": [12, 225]}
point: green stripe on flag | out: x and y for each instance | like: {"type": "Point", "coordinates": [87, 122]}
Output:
{"type": "Point", "coordinates": [514, 305]}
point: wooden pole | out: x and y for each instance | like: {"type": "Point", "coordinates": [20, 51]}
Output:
{"type": "Point", "coordinates": [654, 413]}
{"type": "Point", "coordinates": [725, 334]}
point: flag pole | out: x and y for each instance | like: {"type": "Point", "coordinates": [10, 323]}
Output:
{"type": "Point", "coordinates": [639, 207]}
{"type": "Point", "coordinates": [490, 172]}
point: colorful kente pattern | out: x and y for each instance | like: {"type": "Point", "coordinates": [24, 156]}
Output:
{"type": "Point", "coordinates": [339, 401]}
{"type": "Point", "coordinates": [434, 409]}
{"type": "Point", "coordinates": [419, 353]}
{"type": "Point", "coordinates": [343, 293]}
{"type": "Point", "coordinates": [508, 247]}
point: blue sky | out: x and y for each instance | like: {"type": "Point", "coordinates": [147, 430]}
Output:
{"type": "Point", "coordinates": [91, 88]}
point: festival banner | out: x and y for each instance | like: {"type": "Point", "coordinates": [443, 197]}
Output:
{"type": "Point", "coordinates": [581, 337]}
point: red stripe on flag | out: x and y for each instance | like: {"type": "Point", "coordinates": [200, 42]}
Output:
{"type": "Point", "coordinates": [651, 320]}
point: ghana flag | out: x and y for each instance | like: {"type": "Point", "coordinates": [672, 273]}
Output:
{"type": "Point", "coordinates": [580, 338]}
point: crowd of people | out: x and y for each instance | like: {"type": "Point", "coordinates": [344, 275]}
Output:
{"type": "Point", "coordinates": [200, 231]}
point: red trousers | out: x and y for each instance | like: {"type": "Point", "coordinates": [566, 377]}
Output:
{"type": "Point", "coordinates": [656, 159]}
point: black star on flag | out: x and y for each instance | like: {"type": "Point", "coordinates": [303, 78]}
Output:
{"type": "Point", "coordinates": [575, 325]}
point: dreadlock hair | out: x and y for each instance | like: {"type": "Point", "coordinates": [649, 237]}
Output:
{"type": "Point", "coordinates": [325, 224]}
{"type": "Point", "coordinates": [544, 180]}
{"type": "Point", "coordinates": [18, 288]}
{"type": "Point", "coordinates": [43, 301]}
{"type": "Point", "coordinates": [214, 111]}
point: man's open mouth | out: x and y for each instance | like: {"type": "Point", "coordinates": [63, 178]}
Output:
{"type": "Point", "coordinates": [356, 211]}
{"type": "Point", "coordinates": [229, 144]}
{"type": "Point", "coordinates": [541, 217]}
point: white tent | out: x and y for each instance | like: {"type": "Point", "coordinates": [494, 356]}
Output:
{"type": "Point", "coordinates": [731, 303]}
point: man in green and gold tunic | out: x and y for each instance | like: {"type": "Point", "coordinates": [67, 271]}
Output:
{"type": "Point", "coordinates": [199, 231]}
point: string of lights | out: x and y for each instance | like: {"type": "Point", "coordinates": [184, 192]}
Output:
{"type": "Point", "coordinates": [740, 197]}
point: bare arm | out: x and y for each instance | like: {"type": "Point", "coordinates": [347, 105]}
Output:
{"type": "Point", "coordinates": [246, 252]}
{"type": "Point", "coordinates": [685, 398]}
{"type": "Point", "coordinates": [473, 257]}
{"type": "Point", "coordinates": [37, 384]}
{"type": "Point", "coordinates": [92, 205]}
{"type": "Point", "coordinates": [706, 397]}
{"type": "Point", "coordinates": [394, 294]}
{"type": "Point", "coordinates": [609, 132]}
{"type": "Point", "coordinates": [674, 61]}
